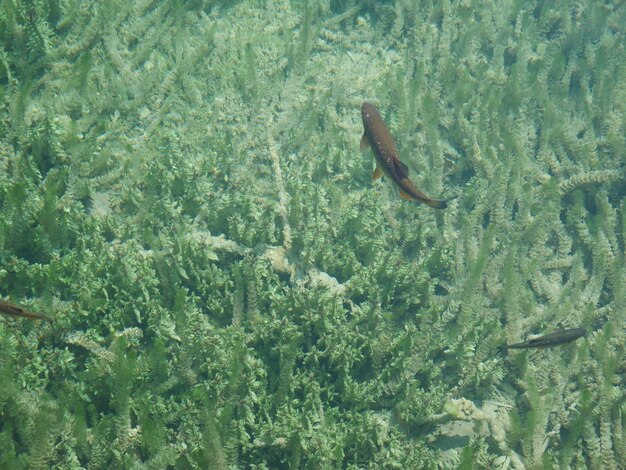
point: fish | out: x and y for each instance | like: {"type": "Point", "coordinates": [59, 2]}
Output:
{"type": "Point", "coordinates": [555, 338]}
{"type": "Point", "coordinates": [377, 137]}
{"type": "Point", "coordinates": [14, 311]}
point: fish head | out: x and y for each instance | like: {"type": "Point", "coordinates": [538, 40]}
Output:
{"type": "Point", "coordinates": [367, 110]}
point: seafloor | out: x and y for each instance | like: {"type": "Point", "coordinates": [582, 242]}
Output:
{"type": "Point", "coordinates": [181, 189]}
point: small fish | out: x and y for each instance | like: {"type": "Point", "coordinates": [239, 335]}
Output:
{"type": "Point", "coordinates": [377, 136]}
{"type": "Point", "coordinates": [551, 339]}
{"type": "Point", "coordinates": [15, 311]}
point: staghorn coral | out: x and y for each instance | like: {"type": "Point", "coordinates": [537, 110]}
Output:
{"type": "Point", "coordinates": [180, 188]}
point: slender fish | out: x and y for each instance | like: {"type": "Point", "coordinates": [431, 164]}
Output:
{"type": "Point", "coordinates": [15, 311]}
{"type": "Point", "coordinates": [554, 338]}
{"type": "Point", "coordinates": [377, 136]}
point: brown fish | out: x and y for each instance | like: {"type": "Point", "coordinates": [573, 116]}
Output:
{"type": "Point", "coordinates": [554, 338]}
{"type": "Point", "coordinates": [377, 136]}
{"type": "Point", "coordinates": [15, 311]}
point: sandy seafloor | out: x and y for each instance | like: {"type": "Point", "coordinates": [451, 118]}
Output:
{"type": "Point", "coordinates": [182, 191]}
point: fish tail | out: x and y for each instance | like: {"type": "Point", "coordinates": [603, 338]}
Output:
{"type": "Point", "coordinates": [45, 318]}
{"type": "Point", "coordinates": [436, 203]}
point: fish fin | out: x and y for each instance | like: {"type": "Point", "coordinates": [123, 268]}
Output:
{"type": "Point", "coordinates": [405, 195]}
{"type": "Point", "coordinates": [402, 169]}
{"type": "Point", "coordinates": [377, 173]}
{"type": "Point", "coordinates": [365, 143]}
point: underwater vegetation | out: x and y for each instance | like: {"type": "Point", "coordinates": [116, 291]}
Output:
{"type": "Point", "coordinates": [182, 192]}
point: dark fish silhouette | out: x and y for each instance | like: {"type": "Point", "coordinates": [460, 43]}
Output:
{"type": "Point", "coordinates": [377, 136]}
{"type": "Point", "coordinates": [15, 311]}
{"type": "Point", "coordinates": [554, 338]}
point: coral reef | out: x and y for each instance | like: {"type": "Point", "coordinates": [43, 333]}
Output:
{"type": "Point", "coordinates": [181, 190]}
